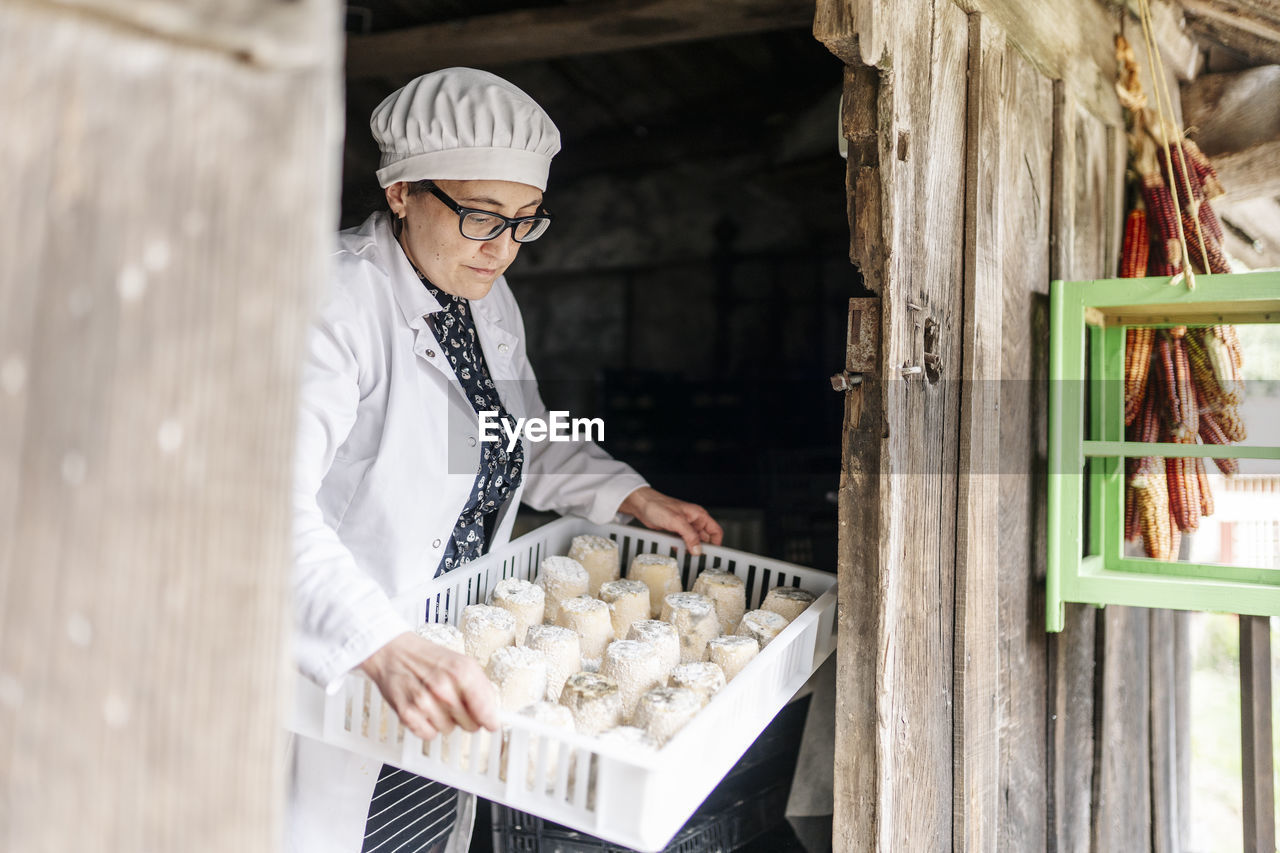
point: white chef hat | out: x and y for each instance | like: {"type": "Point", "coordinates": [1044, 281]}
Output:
{"type": "Point", "coordinates": [463, 124]}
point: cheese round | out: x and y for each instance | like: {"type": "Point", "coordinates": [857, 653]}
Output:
{"type": "Point", "coordinates": [525, 601]}
{"type": "Point", "coordinates": [695, 619]}
{"type": "Point", "coordinates": [731, 654]}
{"type": "Point", "coordinates": [599, 556]}
{"type": "Point", "coordinates": [703, 678]}
{"type": "Point", "coordinates": [663, 711]}
{"type": "Point", "coordinates": [589, 619]}
{"type": "Point", "coordinates": [660, 573]}
{"type": "Point", "coordinates": [594, 700]}
{"type": "Point", "coordinates": [486, 629]}
{"type": "Point", "coordinates": [520, 674]}
{"type": "Point", "coordinates": [549, 714]}
{"type": "Point", "coordinates": [787, 601]}
{"type": "Point", "coordinates": [563, 651]}
{"type": "Point", "coordinates": [561, 578]}
{"type": "Point", "coordinates": [443, 634]}
{"type": "Point", "coordinates": [662, 637]}
{"type": "Point", "coordinates": [729, 594]}
{"type": "Point", "coordinates": [761, 625]}
{"type": "Point", "coordinates": [628, 602]}
{"type": "Point", "coordinates": [636, 669]}
{"type": "Point", "coordinates": [629, 738]}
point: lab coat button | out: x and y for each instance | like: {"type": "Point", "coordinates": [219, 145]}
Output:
{"type": "Point", "coordinates": [471, 440]}
{"type": "Point", "coordinates": [431, 353]}
{"type": "Point", "coordinates": [435, 544]}
{"type": "Point", "coordinates": [503, 347]}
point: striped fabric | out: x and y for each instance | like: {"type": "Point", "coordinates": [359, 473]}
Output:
{"type": "Point", "coordinates": [409, 814]}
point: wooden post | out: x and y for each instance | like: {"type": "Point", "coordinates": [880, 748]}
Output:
{"type": "Point", "coordinates": [170, 189]}
{"type": "Point", "coordinates": [1258, 800]}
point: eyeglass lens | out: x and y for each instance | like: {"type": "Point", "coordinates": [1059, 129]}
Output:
{"type": "Point", "coordinates": [481, 226]}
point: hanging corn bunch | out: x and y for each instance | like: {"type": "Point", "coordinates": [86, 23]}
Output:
{"type": "Point", "coordinates": [1181, 385]}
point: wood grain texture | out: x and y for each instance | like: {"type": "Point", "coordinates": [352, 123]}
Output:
{"type": "Point", "coordinates": [165, 223]}
{"type": "Point", "coordinates": [1122, 741]}
{"type": "Point", "coordinates": [1027, 103]}
{"type": "Point", "coordinates": [1234, 111]}
{"type": "Point", "coordinates": [1167, 782]}
{"type": "Point", "coordinates": [558, 31]}
{"type": "Point", "coordinates": [977, 665]}
{"type": "Point", "coordinates": [1250, 27]}
{"type": "Point", "coordinates": [1258, 799]}
{"type": "Point", "coordinates": [1088, 167]}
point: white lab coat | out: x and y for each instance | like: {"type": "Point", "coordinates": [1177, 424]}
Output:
{"type": "Point", "coordinates": [387, 453]}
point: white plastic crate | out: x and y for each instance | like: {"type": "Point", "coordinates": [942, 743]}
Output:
{"type": "Point", "coordinates": [630, 797]}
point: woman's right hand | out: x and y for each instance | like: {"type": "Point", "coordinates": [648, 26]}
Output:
{"type": "Point", "coordinates": [431, 688]}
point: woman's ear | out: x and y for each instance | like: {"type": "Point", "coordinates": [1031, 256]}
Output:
{"type": "Point", "coordinates": [397, 194]}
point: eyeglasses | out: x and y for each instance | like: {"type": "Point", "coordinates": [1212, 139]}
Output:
{"type": "Point", "coordinates": [475, 224]}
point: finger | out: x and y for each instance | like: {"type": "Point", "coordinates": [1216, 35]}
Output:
{"type": "Point", "coordinates": [446, 693]}
{"type": "Point", "coordinates": [416, 723]}
{"type": "Point", "coordinates": [480, 698]}
{"type": "Point", "coordinates": [436, 716]}
{"type": "Point", "coordinates": [712, 532]}
{"type": "Point", "coordinates": [685, 531]}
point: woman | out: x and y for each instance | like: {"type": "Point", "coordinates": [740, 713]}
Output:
{"type": "Point", "coordinates": [420, 334]}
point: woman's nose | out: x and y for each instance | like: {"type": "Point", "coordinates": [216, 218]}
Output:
{"type": "Point", "coordinates": [503, 246]}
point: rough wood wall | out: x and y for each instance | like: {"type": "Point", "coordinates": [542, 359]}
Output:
{"type": "Point", "coordinates": [974, 179]}
{"type": "Point", "coordinates": [170, 190]}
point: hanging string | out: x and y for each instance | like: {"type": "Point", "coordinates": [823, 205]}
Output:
{"type": "Point", "coordinates": [1167, 126]}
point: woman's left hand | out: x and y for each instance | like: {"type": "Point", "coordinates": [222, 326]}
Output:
{"type": "Point", "coordinates": [689, 521]}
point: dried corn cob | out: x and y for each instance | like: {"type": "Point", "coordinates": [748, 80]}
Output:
{"type": "Point", "coordinates": [1206, 495]}
{"type": "Point", "coordinates": [1175, 543]}
{"type": "Point", "coordinates": [1203, 169]}
{"type": "Point", "coordinates": [1137, 364]}
{"type": "Point", "coordinates": [1211, 393]}
{"type": "Point", "coordinates": [1132, 530]}
{"type": "Point", "coordinates": [1209, 251]}
{"type": "Point", "coordinates": [1232, 424]}
{"type": "Point", "coordinates": [1153, 513]}
{"type": "Point", "coordinates": [1224, 370]}
{"type": "Point", "coordinates": [1189, 425]}
{"type": "Point", "coordinates": [1164, 220]}
{"type": "Point", "coordinates": [1137, 245]}
{"type": "Point", "coordinates": [1211, 432]}
{"type": "Point", "coordinates": [1228, 335]}
{"type": "Point", "coordinates": [1209, 222]}
{"type": "Point", "coordinates": [1168, 378]}
{"type": "Point", "coordinates": [1184, 497]}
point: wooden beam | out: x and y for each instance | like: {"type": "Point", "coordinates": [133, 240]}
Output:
{"type": "Point", "coordinates": [1252, 173]}
{"type": "Point", "coordinates": [1258, 795]}
{"type": "Point", "coordinates": [1250, 27]}
{"type": "Point", "coordinates": [166, 215]}
{"type": "Point", "coordinates": [1233, 111]}
{"type": "Point", "coordinates": [975, 821]}
{"type": "Point", "coordinates": [572, 30]}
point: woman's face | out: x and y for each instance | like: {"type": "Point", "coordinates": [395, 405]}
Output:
{"type": "Point", "coordinates": [431, 239]}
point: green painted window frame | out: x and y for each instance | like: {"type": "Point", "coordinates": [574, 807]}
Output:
{"type": "Point", "coordinates": [1102, 574]}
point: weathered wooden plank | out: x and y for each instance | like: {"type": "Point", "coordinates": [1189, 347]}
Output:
{"type": "Point", "coordinates": [976, 759]}
{"type": "Point", "coordinates": [1024, 218]}
{"type": "Point", "coordinates": [1233, 111]}
{"type": "Point", "coordinates": [1122, 772]}
{"type": "Point", "coordinates": [1256, 767]}
{"type": "Point", "coordinates": [861, 588]}
{"type": "Point", "coordinates": [1251, 27]}
{"type": "Point", "coordinates": [1088, 162]}
{"type": "Point", "coordinates": [164, 221]}
{"type": "Point", "coordinates": [862, 582]}
{"type": "Point", "coordinates": [571, 30]}
{"type": "Point", "coordinates": [1070, 702]}
{"type": "Point", "coordinates": [1253, 173]}
{"type": "Point", "coordinates": [924, 217]}
{"type": "Point", "coordinates": [1166, 783]}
